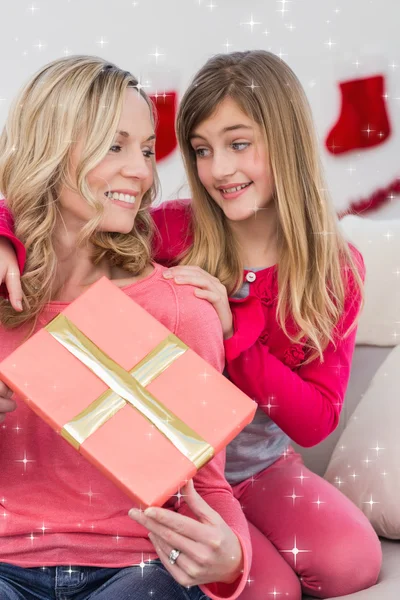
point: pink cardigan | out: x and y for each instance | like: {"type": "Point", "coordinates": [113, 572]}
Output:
{"type": "Point", "coordinates": [260, 359]}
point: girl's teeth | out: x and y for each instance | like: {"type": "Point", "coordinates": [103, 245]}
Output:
{"type": "Point", "coordinates": [235, 189]}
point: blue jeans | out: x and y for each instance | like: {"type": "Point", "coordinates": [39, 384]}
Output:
{"type": "Point", "coordinates": [93, 583]}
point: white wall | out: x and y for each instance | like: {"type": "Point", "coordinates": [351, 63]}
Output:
{"type": "Point", "coordinates": [187, 32]}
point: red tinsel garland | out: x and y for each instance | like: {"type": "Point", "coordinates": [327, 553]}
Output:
{"type": "Point", "coordinates": [374, 201]}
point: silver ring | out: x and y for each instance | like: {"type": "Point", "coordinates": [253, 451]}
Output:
{"type": "Point", "coordinates": [173, 556]}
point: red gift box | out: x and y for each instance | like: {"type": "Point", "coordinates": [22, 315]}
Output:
{"type": "Point", "coordinates": [127, 393]}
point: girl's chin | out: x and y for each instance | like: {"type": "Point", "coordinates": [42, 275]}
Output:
{"type": "Point", "coordinates": [238, 213]}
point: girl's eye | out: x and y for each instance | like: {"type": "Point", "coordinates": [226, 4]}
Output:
{"type": "Point", "coordinates": [201, 152]}
{"type": "Point", "coordinates": [240, 145]}
{"type": "Point", "coordinates": [115, 148]}
{"type": "Point", "coordinates": [148, 153]}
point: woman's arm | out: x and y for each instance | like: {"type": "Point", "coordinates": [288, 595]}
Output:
{"type": "Point", "coordinates": [216, 519]}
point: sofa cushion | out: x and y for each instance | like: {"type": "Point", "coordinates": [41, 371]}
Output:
{"type": "Point", "coordinates": [365, 464]}
{"type": "Point", "coordinates": [379, 243]}
{"type": "Point", "coordinates": [388, 586]}
{"type": "Point", "coordinates": [366, 362]}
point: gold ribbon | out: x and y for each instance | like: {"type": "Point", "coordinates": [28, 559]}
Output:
{"type": "Point", "coordinates": [127, 388]}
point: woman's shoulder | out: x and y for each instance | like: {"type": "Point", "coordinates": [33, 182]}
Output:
{"type": "Point", "coordinates": [173, 221]}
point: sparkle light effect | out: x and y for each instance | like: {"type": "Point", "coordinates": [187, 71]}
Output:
{"type": "Point", "coordinates": [294, 496]}
{"type": "Point", "coordinates": [295, 551]}
{"type": "Point", "coordinates": [90, 494]}
{"type": "Point", "coordinates": [25, 460]}
{"type": "Point", "coordinates": [102, 42]}
{"type": "Point", "coordinates": [330, 43]}
{"type": "Point", "coordinates": [205, 375]}
{"type": "Point", "coordinates": [70, 570]}
{"type": "Point", "coordinates": [269, 405]}
{"type": "Point", "coordinates": [43, 528]}
{"type": "Point", "coordinates": [301, 477]}
{"type": "Point", "coordinates": [318, 502]}
{"type": "Point", "coordinates": [283, 10]}
{"type": "Point", "coordinates": [371, 503]}
{"type": "Point", "coordinates": [33, 9]}
{"type": "Point", "coordinates": [251, 23]}
{"type": "Point", "coordinates": [227, 45]}
{"type": "Point", "coordinates": [157, 54]}
{"type": "Point", "coordinates": [252, 86]}
{"type": "Point", "coordinates": [368, 131]}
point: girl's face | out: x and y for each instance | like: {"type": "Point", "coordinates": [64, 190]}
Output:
{"type": "Point", "coordinates": [233, 162]}
{"type": "Point", "coordinates": [122, 178]}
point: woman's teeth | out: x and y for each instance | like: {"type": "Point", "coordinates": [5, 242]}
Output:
{"type": "Point", "coordinates": [121, 197]}
{"type": "Point", "coordinates": [235, 189]}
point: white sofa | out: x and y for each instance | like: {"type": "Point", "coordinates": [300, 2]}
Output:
{"type": "Point", "coordinates": [378, 331]}
{"type": "Point", "coordinates": [367, 360]}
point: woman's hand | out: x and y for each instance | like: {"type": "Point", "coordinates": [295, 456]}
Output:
{"type": "Point", "coordinates": [209, 550]}
{"type": "Point", "coordinates": [6, 404]}
{"type": "Point", "coordinates": [208, 287]}
{"type": "Point", "coordinates": [9, 273]}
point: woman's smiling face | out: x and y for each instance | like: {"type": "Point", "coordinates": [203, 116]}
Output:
{"type": "Point", "coordinates": [122, 178]}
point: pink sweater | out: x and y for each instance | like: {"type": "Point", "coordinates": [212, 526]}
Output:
{"type": "Point", "coordinates": [305, 402]}
{"type": "Point", "coordinates": [260, 359]}
{"type": "Point", "coordinates": [56, 508]}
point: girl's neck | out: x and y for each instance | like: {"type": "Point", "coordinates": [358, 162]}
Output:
{"type": "Point", "coordinates": [257, 238]}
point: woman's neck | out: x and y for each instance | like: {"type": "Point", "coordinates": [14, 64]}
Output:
{"type": "Point", "coordinates": [76, 270]}
{"type": "Point", "coordinates": [257, 238]}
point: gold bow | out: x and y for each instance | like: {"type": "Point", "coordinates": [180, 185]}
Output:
{"type": "Point", "coordinates": [127, 388]}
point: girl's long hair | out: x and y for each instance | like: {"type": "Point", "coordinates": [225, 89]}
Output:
{"type": "Point", "coordinates": [68, 98]}
{"type": "Point", "coordinates": [315, 262]}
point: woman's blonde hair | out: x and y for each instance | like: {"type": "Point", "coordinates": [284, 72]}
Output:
{"type": "Point", "coordinates": [313, 256]}
{"type": "Point", "coordinates": [64, 100]}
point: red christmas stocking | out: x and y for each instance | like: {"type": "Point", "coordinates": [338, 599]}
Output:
{"type": "Point", "coordinates": [363, 120]}
{"type": "Point", "coordinates": [166, 110]}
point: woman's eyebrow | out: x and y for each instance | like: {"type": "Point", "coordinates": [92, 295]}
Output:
{"type": "Point", "coordinates": [126, 135]}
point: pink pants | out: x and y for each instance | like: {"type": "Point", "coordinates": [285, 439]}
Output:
{"type": "Point", "coordinates": [307, 536]}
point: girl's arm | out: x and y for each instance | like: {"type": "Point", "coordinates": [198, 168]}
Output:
{"type": "Point", "coordinates": [305, 403]}
{"type": "Point", "coordinates": [172, 221]}
{"type": "Point", "coordinates": [7, 232]}
{"type": "Point", "coordinates": [12, 259]}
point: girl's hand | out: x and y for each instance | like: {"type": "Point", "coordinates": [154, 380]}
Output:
{"type": "Point", "coordinates": [208, 287]}
{"type": "Point", "coordinates": [210, 551]}
{"type": "Point", "coordinates": [6, 404]}
{"type": "Point", "coordinates": [9, 273]}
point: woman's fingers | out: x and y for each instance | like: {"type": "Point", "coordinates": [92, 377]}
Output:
{"type": "Point", "coordinates": [190, 570]}
{"type": "Point", "coordinates": [157, 520]}
{"type": "Point", "coordinates": [175, 570]}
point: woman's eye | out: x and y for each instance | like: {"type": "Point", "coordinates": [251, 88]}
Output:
{"type": "Point", "coordinates": [201, 152]}
{"type": "Point", "coordinates": [240, 145]}
{"type": "Point", "coordinates": [115, 148]}
{"type": "Point", "coordinates": [148, 153]}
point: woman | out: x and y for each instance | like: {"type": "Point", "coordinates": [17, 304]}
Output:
{"type": "Point", "coordinates": [77, 167]}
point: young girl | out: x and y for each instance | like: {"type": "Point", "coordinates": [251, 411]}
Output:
{"type": "Point", "coordinates": [77, 169]}
{"type": "Point", "coordinates": [260, 229]}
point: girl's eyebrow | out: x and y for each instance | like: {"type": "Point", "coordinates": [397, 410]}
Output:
{"type": "Point", "coordinates": [224, 130]}
{"type": "Point", "coordinates": [126, 135]}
